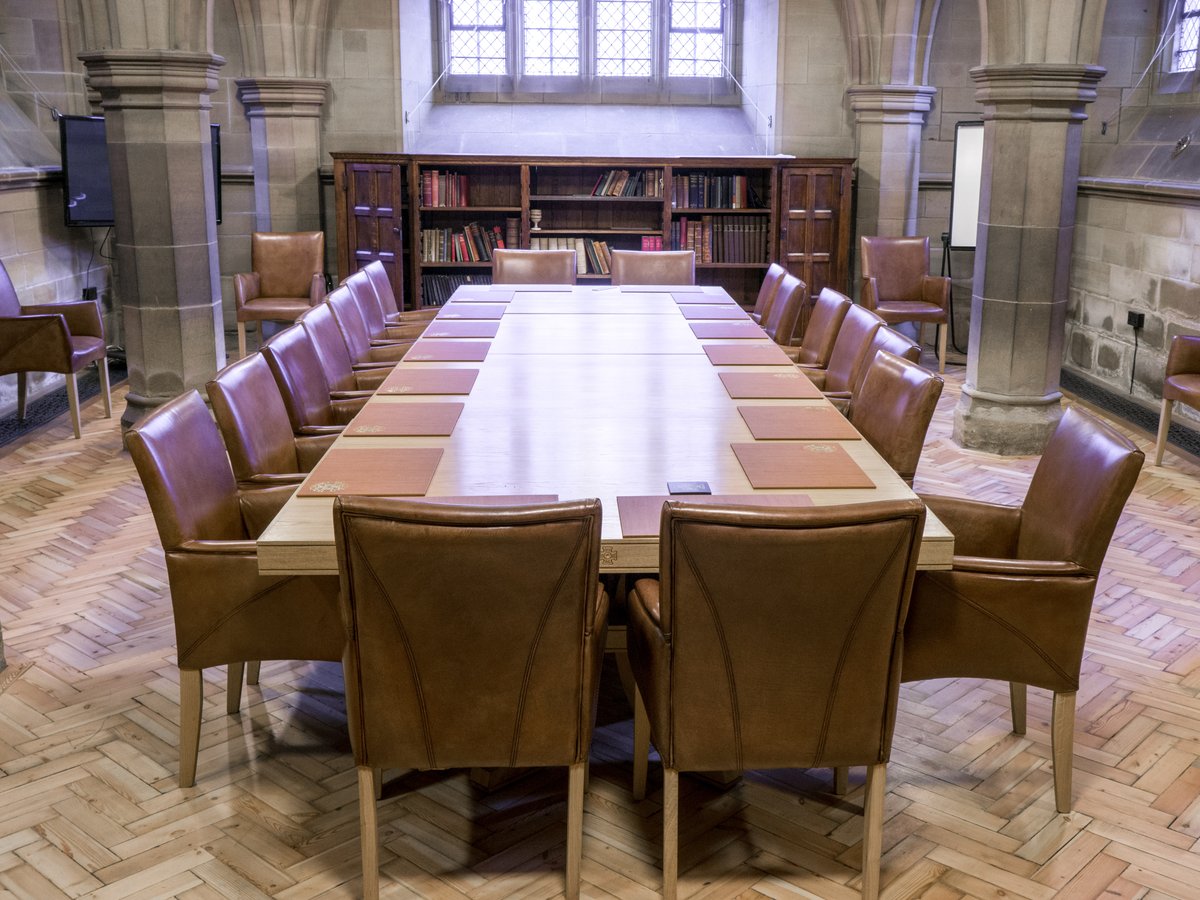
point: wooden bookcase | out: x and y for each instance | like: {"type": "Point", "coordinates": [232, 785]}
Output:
{"type": "Point", "coordinates": [429, 218]}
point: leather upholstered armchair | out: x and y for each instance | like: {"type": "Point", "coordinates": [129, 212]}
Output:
{"type": "Point", "coordinates": [502, 661]}
{"type": "Point", "coordinates": [392, 312]}
{"type": "Point", "coordinates": [897, 285]}
{"type": "Point", "coordinates": [893, 408]}
{"type": "Point", "coordinates": [784, 315]}
{"type": "Point", "coordinates": [52, 337]}
{"type": "Point", "coordinates": [363, 348]}
{"type": "Point", "coordinates": [310, 405]}
{"type": "Point", "coordinates": [225, 613]}
{"type": "Point", "coordinates": [533, 267]}
{"type": "Point", "coordinates": [1017, 602]}
{"type": "Point", "coordinates": [824, 322]}
{"type": "Point", "coordinates": [346, 378]}
{"type": "Point", "coordinates": [723, 687]}
{"type": "Point", "coordinates": [288, 277]}
{"type": "Point", "coordinates": [653, 267]}
{"type": "Point", "coordinates": [1180, 382]}
{"type": "Point", "coordinates": [849, 353]}
{"type": "Point", "coordinates": [249, 410]}
{"type": "Point", "coordinates": [381, 332]}
{"type": "Point", "coordinates": [767, 292]}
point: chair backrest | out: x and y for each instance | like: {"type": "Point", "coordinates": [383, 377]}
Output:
{"type": "Point", "coordinates": [850, 348]}
{"type": "Point", "coordinates": [893, 409]}
{"type": "Point", "coordinates": [767, 292]}
{"type": "Point", "coordinates": [10, 303]}
{"type": "Point", "coordinates": [653, 267]}
{"type": "Point", "coordinates": [746, 693]}
{"type": "Point", "coordinates": [780, 324]}
{"type": "Point", "coordinates": [301, 379]}
{"type": "Point", "coordinates": [1077, 492]}
{"type": "Point", "coordinates": [897, 264]}
{"type": "Point", "coordinates": [179, 456]}
{"type": "Point", "coordinates": [286, 261]}
{"type": "Point", "coordinates": [321, 328]}
{"type": "Point", "coordinates": [458, 657]}
{"type": "Point", "coordinates": [350, 322]}
{"type": "Point", "coordinates": [377, 272]}
{"type": "Point", "coordinates": [824, 322]}
{"type": "Point", "coordinates": [253, 419]}
{"type": "Point", "coordinates": [533, 267]}
{"type": "Point", "coordinates": [891, 340]}
{"type": "Point", "coordinates": [363, 291]}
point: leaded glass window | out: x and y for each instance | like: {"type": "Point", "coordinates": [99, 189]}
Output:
{"type": "Point", "coordinates": [1187, 36]}
{"type": "Point", "coordinates": [478, 42]}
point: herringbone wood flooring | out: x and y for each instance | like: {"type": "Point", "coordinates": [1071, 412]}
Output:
{"type": "Point", "coordinates": [89, 804]}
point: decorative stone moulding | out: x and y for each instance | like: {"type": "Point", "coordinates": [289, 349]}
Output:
{"type": "Point", "coordinates": [282, 97]}
{"type": "Point", "coordinates": [152, 79]}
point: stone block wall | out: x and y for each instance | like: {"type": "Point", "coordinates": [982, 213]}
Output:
{"type": "Point", "coordinates": [814, 118]}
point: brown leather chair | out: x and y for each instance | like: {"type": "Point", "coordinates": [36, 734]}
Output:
{"type": "Point", "coordinates": [226, 614]}
{"type": "Point", "coordinates": [254, 424]}
{"type": "Point", "coordinates": [457, 657]}
{"type": "Point", "coordinates": [310, 405]}
{"type": "Point", "coordinates": [849, 353]}
{"type": "Point", "coordinates": [381, 332]}
{"type": "Point", "coordinates": [288, 277]}
{"type": "Point", "coordinates": [767, 292]}
{"type": "Point", "coordinates": [387, 298]}
{"type": "Point", "coordinates": [893, 407]}
{"type": "Point", "coordinates": [1017, 602]}
{"type": "Point", "coordinates": [892, 341]}
{"type": "Point", "coordinates": [653, 267]}
{"type": "Point", "coordinates": [725, 688]}
{"type": "Point", "coordinates": [1181, 382]}
{"type": "Point", "coordinates": [824, 322]}
{"type": "Point", "coordinates": [350, 322]}
{"type": "Point", "coordinates": [52, 337]}
{"type": "Point", "coordinates": [346, 378]}
{"type": "Point", "coordinates": [533, 267]}
{"type": "Point", "coordinates": [897, 285]}
{"type": "Point", "coordinates": [780, 324]}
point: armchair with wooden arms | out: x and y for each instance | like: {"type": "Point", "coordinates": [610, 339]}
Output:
{"type": "Point", "coordinates": [288, 278]}
{"type": "Point", "coordinates": [1181, 382]}
{"type": "Point", "coordinates": [897, 285]}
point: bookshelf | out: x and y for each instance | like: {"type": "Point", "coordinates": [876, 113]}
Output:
{"type": "Point", "coordinates": [445, 214]}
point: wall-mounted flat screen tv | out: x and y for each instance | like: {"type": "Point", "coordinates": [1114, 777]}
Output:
{"type": "Point", "coordinates": [87, 191]}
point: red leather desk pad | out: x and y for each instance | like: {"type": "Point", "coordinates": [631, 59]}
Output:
{"type": "Point", "coordinates": [712, 311]}
{"type": "Point", "coordinates": [395, 471]}
{"type": "Point", "coordinates": [768, 385]}
{"type": "Point", "coordinates": [763, 353]}
{"type": "Point", "coordinates": [405, 419]}
{"type": "Point", "coordinates": [458, 310]}
{"type": "Point", "coordinates": [707, 330]}
{"type": "Point", "coordinates": [773, 464]}
{"type": "Point", "coordinates": [797, 423]}
{"type": "Point", "coordinates": [458, 328]}
{"type": "Point", "coordinates": [448, 351]}
{"type": "Point", "coordinates": [404, 380]}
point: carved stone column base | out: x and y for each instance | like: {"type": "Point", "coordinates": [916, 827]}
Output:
{"type": "Point", "coordinates": [1004, 427]}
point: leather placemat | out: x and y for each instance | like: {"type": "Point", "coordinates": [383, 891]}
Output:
{"type": "Point", "coordinates": [493, 499]}
{"type": "Point", "coordinates": [774, 464]}
{"type": "Point", "coordinates": [707, 330]}
{"type": "Point", "coordinates": [768, 385]}
{"type": "Point", "coordinates": [461, 329]}
{"type": "Point", "coordinates": [797, 423]}
{"type": "Point", "coordinates": [662, 289]}
{"type": "Point", "coordinates": [710, 299]}
{"type": "Point", "coordinates": [406, 380]}
{"type": "Point", "coordinates": [482, 293]}
{"type": "Point", "coordinates": [391, 472]}
{"type": "Point", "coordinates": [448, 351]}
{"type": "Point", "coordinates": [472, 311]}
{"type": "Point", "coordinates": [763, 353]}
{"type": "Point", "coordinates": [405, 419]}
{"type": "Point", "coordinates": [640, 516]}
{"type": "Point", "coordinates": [713, 311]}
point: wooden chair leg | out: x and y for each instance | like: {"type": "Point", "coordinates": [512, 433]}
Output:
{"type": "Point", "coordinates": [377, 774]}
{"type": "Point", "coordinates": [1062, 746]}
{"type": "Point", "coordinates": [873, 829]}
{"type": "Point", "coordinates": [670, 833]}
{"type": "Point", "coordinates": [191, 698]}
{"type": "Point", "coordinates": [577, 776]}
{"type": "Point", "coordinates": [1164, 425]}
{"type": "Point", "coordinates": [841, 780]}
{"type": "Point", "coordinates": [368, 832]}
{"type": "Point", "coordinates": [943, 331]}
{"type": "Point", "coordinates": [105, 388]}
{"type": "Point", "coordinates": [1016, 697]}
{"type": "Point", "coordinates": [73, 403]}
{"type": "Point", "coordinates": [21, 380]}
{"type": "Point", "coordinates": [252, 671]}
{"type": "Point", "coordinates": [233, 690]}
{"type": "Point", "coordinates": [641, 745]}
{"type": "Point", "coordinates": [241, 340]}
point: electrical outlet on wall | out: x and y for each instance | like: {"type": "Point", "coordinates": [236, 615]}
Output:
{"type": "Point", "coordinates": [1136, 319]}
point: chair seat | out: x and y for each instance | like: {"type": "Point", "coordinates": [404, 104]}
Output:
{"type": "Point", "coordinates": [273, 308]}
{"type": "Point", "coordinates": [896, 311]}
{"type": "Point", "coordinates": [85, 350]}
{"type": "Point", "coordinates": [1184, 387]}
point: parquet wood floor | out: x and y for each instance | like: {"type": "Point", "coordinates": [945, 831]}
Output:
{"type": "Point", "coordinates": [89, 805]}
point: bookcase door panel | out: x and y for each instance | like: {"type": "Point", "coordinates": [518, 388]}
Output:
{"type": "Point", "coordinates": [375, 219]}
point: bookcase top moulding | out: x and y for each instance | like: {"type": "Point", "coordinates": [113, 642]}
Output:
{"type": "Point", "coordinates": [648, 161]}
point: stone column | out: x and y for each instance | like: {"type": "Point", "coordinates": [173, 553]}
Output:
{"type": "Point", "coordinates": [285, 137]}
{"type": "Point", "coordinates": [888, 120]}
{"type": "Point", "coordinates": [156, 109]}
{"type": "Point", "coordinates": [1033, 124]}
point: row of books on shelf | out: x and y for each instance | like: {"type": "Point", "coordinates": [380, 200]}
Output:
{"type": "Point", "coordinates": [698, 190]}
{"type": "Point", "coordinates": [471, 243]}
{"type": "Point", "coordinates": [440, 188]}
{"type": "Point", "coordinates": [436, 289]}
{"type": "Point", "coordinates": [722, 239]}
{"type": "Point", "coordinates": [623, 183]}
{"type": "Point", "coordinates": [590, 256]}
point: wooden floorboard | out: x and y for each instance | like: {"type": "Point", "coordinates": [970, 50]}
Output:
{"type": "Point", "coordinates": [89, 803]}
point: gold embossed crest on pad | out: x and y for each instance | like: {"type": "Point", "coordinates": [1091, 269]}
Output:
{"type": "Point", "coordinates": [328, 487]}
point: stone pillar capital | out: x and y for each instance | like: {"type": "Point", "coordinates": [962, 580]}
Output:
{"type": "Point", "coordinates": [891, 104]}
{"type": "Point", "coordinates": [152, 79]}
{"type": "Point", "coordinates": [1036, 91]}
{"type": "Point", "coordinates": [282, 96]}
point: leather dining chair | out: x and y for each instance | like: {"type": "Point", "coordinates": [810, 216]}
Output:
{"type": "Point", "coordinates": [653, 267]}
{"type": "Point", "coordinates": [1017, 602]}
{"type": "Point", "coordinates": [723, 687]}
{"type": "Point", "coordinates": [346, 378]}
{"type": "Point", "coordinates": [349, 318]}
{"type": "Point", "coordinates": [824, 322]}
{"type": "Point", "coordinates": [457, 657]}
{"type": "Point", "coordinates": [380, 330]}
{"type": "Point", "coordinates": [387, 299]}
{"type": "Point", "coordinates": [226, 614]}
{"type": "Point", "coordinates": [52, 337]}
{"type": "Point", "coordinates": [897, 285]}
{"type": "Point", "coordinates": [311, 408]}
{"type": "Point", "coordinates": [893, 408]}
{"type": "Point", "coordinates": [287, 277]}
{"type": "Point", "coordinates": [533, 267]}
{"type": "Point", "coordinates": [767, 292]}
{"type": "Point", "coordinates": [1181, 383]}
{"type": "Point", "coordinates": [849, 352]}
{"type": "Point", "coordinates": [254, 424]}
{"type": "Point", "coordinates": [784, 314]}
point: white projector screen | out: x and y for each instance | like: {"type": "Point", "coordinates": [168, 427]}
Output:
{"type": "Point", "coordinates": [964, 186]}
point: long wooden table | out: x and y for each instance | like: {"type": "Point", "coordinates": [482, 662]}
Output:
{"type": "Point", "coordinates": [584, 392]}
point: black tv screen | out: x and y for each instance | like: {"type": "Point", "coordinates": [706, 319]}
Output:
{"type": "Point", "coordinates": [87, 191]}
{"type": "Point", "coordinates": [214, 131]}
